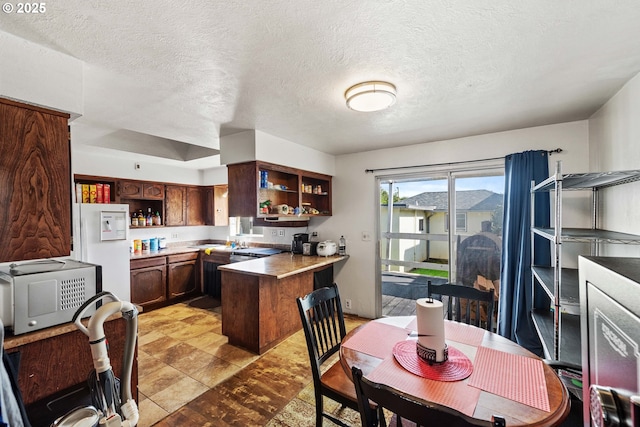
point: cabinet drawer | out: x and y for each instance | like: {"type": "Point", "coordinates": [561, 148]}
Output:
{"type": "Point", "coordinates": [182, 257]}
{"type": "Point", "coordinates": [147, 262]}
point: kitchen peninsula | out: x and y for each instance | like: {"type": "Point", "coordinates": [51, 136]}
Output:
{"type": "Point", "coordinates": [259, 297]}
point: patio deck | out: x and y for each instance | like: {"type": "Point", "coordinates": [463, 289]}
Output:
{"type": "Point", "coordinates": [400, 292]}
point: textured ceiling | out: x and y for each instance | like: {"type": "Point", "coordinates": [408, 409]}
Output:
{"type": "Point", "coordinates": [190, 71]}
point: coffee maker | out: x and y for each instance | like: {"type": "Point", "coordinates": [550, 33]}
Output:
{"type": "Point", "coordinates": [298, 240]}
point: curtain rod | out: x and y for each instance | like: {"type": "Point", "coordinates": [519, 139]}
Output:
{"type": "Point", "coordinates": [550, 152]}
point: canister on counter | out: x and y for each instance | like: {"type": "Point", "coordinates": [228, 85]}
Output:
{"type": "Point", "coordinates": [153, 244]}
{"type": "Point", "coordinates": [145, 245]}
{"type": "Point", "coordinates": [137, 246]}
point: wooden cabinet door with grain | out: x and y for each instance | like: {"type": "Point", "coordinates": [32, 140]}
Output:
{"type": "Point", "coordinates": [195, 206]}
{"type": "Point", "coordinates": [182, 278]}
{"type": "Point", "coordinates": [175, 205]}
{"type": "Point", "coordinates": [35, 183]}
{"type": "Point", "coordinates": [148, 285]}
{"type": "Point", "coordinates": [130, 189]}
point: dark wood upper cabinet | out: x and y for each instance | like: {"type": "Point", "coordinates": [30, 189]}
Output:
{"type": "Point", "coordinates": [35, 182]}
{"type": "Point", "coordinates": [141, 190]}
{"type": "Point", "coordinates": [130, 189]}
{"type": "Point", "coordinates": [195, 206]}
{"type": "Point", "coordinates": [175, 205]}
{"type": "Point", "coordinates": [251, 195]}
{"type": "Point", "coordinates": [153, 190]}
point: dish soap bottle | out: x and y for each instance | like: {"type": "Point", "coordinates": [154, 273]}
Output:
{"type": "Point", "coordinates": [342, 246]}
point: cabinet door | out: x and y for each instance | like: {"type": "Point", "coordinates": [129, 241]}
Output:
{"type": "Point", "coordinates": [35, 183]}
{"type": "Point", "coordinates": [182, 278]}
{"type": "Point", "coordinates": [243, 185]}
{"type": "Point", "coordinates": [195, 206]}
{"type": "Point", "coordinates": [175, 205]}
{"type": "Point", "coordinates": [130, 189]}
{"type": "Point", "coordinates": [153, 190]}
{"type": "Point", "coordinates": [220, 205]}
{"type": "Point", "coordinates": [148, 285]}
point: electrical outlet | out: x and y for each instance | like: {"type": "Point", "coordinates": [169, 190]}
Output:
{"type": "Point", "coordinates": [314, 234]}
{"type": "Point", "coordinates": [174, 235]}
{"type": "Point", "coordinates": [274, 232]}
{"type": "Point", "coordinates": [347, 304]}
{"type": "Point", "coordinates": [366, 236]}
{"type": "Point", "coordinates": [280, 232]}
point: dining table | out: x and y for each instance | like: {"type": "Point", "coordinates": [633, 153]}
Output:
{"type": "Point", "coordinates": [486, 375]}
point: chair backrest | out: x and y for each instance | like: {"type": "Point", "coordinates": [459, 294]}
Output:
{"type": "Point", "coordinates": [467, 298]}
{"type": "Point", "coordinates": [323, 324]}
{"type": "Point", "coordinates": [405, 407]}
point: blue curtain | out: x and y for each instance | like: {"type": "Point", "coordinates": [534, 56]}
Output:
{"type": "Point", "coordinates": [516, 294]}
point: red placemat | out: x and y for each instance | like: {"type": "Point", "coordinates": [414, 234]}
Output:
{"type": "Point", "coordinates": [376, 339]}
{"type": "Point", "coordinates": [453, 394]}
{"type": "Point", "coordinates": [512, 376]}
{"type": "Point", "coordinates": [456, 331]}
{"type": "Point", "coordinates": [456, 368]}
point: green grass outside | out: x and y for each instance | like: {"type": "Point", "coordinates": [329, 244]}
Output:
{"type": "Point", "coordinates": [432, 273]}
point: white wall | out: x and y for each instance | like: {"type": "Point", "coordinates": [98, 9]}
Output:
{"type": "Point", "coordinates": [354, 191]}
{"type": "Point", "coordinates": [257, 145]}
{"type": "Point", "coordinates": [36, 75]}
{"type": "Point", "coordinates": [614, 140]}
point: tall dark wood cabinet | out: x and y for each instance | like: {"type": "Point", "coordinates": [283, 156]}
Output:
{"type": "Point", "coordinates": [35, 182]}
{"type": "Point", "coordinates": [195, 206]}
{"type": "Point", "coordinates": [175, 205]}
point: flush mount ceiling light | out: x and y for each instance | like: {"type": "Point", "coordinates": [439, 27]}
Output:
{"type": "Point", "coordinates": [370, 96]}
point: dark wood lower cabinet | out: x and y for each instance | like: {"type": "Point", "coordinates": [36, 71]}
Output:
{"type": "Point", "coordinates": [148, 281]}
{"type": "Point", "coordinates": [158, 280]}
{"type": "Point", "coordinates": [181, 279]}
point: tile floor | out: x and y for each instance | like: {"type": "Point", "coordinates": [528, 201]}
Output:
{"type": "Point", "coordinates": [190, 376]}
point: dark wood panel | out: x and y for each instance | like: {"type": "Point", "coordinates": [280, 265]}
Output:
{"type": "Point", "coordinates": [258, 312]}
{"type": "Point", "coordinates": [175, 205]}
{"type": "Point", "coordinates": [182, 279]}
{"type": "Point", "coordinates": [147, 262]}
{"type": "Point", "coordinates": [243, 196]}
{"type": "Point", "coordinates": [53, 364]}
{"type": "Point", "coordinates": [195, 206]}
{"type": "Point", "coordinates": [182, 257]}
{"type": "Point", "coordinates": [153, 190]}
{"type": "Point", "coordinates": [35, 184]}
{"type": "Point", "coordinates": [130, 189]}
{"type": "Point", "coordinates": [240, 309]}
{"type": "Point", "coordinates": [149, 285]}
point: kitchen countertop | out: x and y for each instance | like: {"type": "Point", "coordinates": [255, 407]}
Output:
{"type": "Point", "coordinates": [281, 265]}
{"type": "Point", "coordinates": [164, 252]}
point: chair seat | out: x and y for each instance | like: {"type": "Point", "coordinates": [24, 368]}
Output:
{"type": "Point", "coordinates": [337, 380]}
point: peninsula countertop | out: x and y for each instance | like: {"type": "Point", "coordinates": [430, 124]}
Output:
{"type": "Point", "coordinates": [281, 265]}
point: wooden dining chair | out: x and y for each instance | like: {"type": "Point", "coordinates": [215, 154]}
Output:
{"type": "Point", "coordinates": [323, 324]}
{"type": "Point", "coordinates": [407, 411]}
{"type": "Point", "coordinates": [471, 297]}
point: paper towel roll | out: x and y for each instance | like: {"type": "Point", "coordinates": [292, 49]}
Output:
{"type": "Point", "coordinates": [430, 323]}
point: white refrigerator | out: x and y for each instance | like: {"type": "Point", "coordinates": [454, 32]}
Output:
{"type": "Point", "coordinates": [101, 236]}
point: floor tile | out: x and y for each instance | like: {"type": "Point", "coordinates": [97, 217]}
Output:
{"type": "Point", "coordinates": [178, 394]}
{"type": "Point", "coordinates": [159, 380]}
{"type": "Point", "coordinates": [150, 413]}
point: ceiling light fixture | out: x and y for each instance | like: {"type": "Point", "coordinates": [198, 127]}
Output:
{"type": "Point", "coordinates": [370, 96]}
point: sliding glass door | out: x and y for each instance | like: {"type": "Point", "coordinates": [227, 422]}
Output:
{"type": "Point", "coordinates": [439, 227]}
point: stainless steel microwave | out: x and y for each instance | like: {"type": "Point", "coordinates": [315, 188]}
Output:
{"type": "Point", "coordinates": [39, 294]}
{"type": "Point", "coordinates": [610, 333]}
